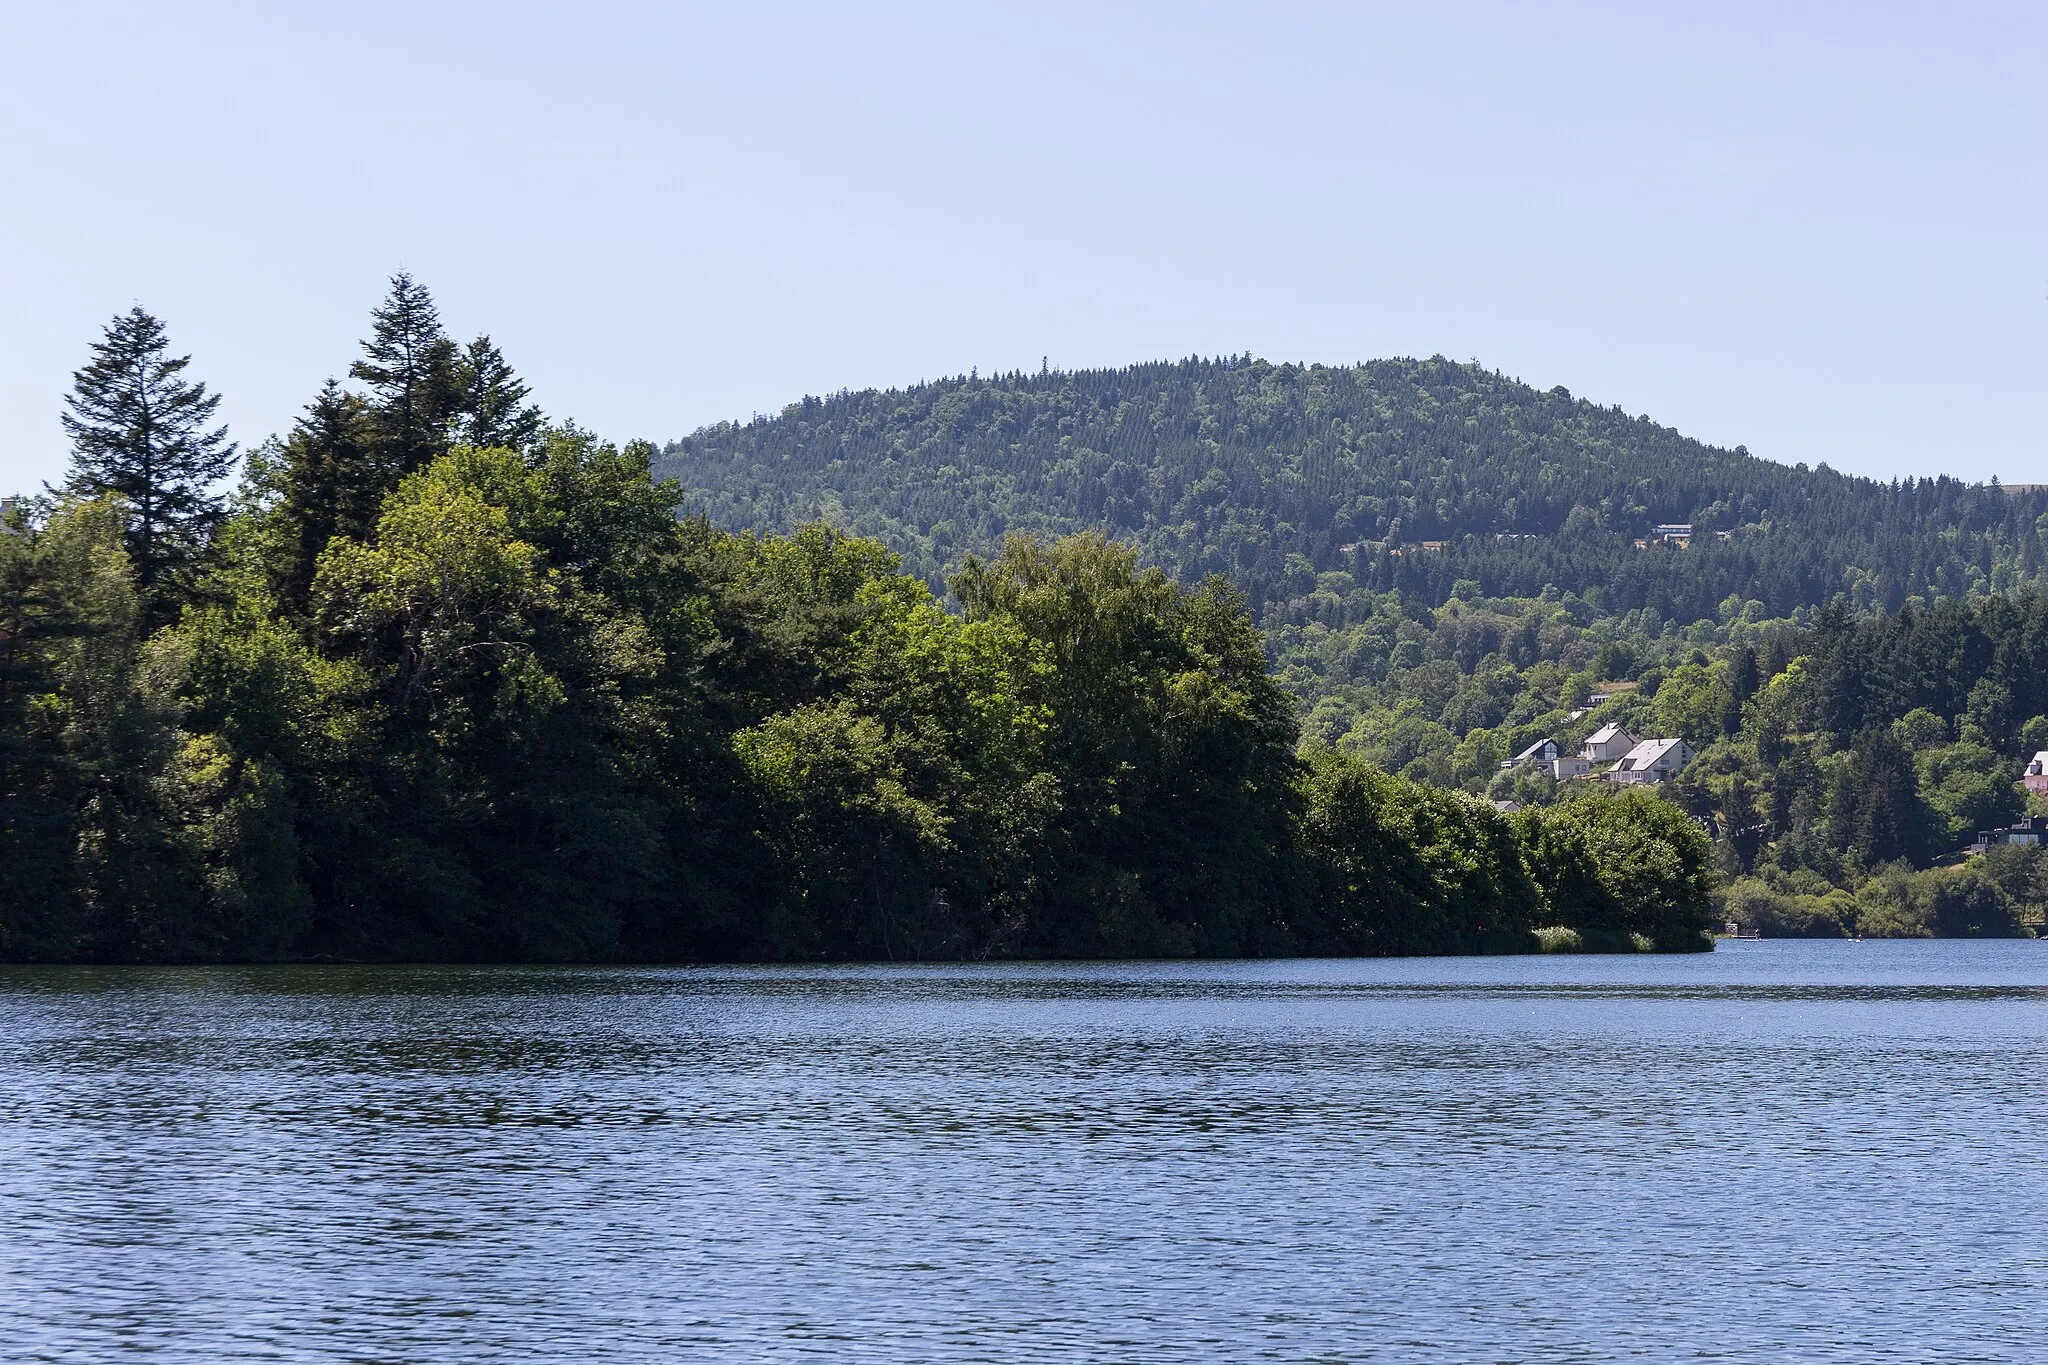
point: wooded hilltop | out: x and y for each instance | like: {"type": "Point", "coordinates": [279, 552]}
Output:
{"type": "Point", "coordinates": [1451, 566]}
{"type": "Point", "coordinates": [443, 680]}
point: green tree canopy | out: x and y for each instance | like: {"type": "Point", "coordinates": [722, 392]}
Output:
{"type": "Point", "coordinates": [142, 431]}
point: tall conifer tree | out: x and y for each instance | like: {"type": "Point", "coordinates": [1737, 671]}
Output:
{"type": "Point", "coordinates": [335, 479]}
{"type": "Point", "coordinates": [410, 365]}
{"type": "Point", "coordinates": [139, 428]}
{"type": "Point", "coordinates": [494, 407]}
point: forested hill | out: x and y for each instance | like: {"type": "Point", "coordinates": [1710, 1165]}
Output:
{"type": "Point", "coordinates": [1274, 473]}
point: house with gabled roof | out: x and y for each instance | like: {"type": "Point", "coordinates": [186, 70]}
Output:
{"type": "Point", "coordinates": [1542, 754]}
{"type": "Point", "coordinates": [1651, 761]}
{"type": "Point", "coordinates": [1549, 755]}
{"type": "Point", "coordinates": [1607, 743]}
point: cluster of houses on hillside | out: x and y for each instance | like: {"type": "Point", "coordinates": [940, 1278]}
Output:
{"type": "Point", "coordinates": [1634, 762]}
{"type": "Point", "coordinates": [1645, 762]}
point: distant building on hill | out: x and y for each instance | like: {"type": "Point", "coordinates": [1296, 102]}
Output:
{"type": "Point", "coordinates": [2032, 830]}
{"type": "Point", "coordinates": [1549, 755]}
{"type": "Point", "coordinates": [1607, 743]}
{"type": "Point", "coordinates": [1651, 762]}
{"type": "Point", "coordinates": [1542, 753]}
{"type": "Point", "coordinates": [2036, 778]}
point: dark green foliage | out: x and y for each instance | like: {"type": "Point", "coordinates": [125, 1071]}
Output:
{"type": "Point", "coordinates": [1970, 907]}
{"type": "Point", "coordinates": [532, 716]}
{"type": "Point", "coordinates": [413, 371]}
{"type": "Point", "coordinates": [907, 801]}
{"type": "Point", "coordinates": [140, 431]}
{"type": "Point", "coordinates": [334, 480]}
{"type": "Point", "coordinates": [450, 685]}
{"type": "Point", "coordinates": [1874, 809]}
{"type": "Point", "coordinates": [1397, 867]}
{"type": "Point", "coordinates": [492, 403]}
{"type": "Point", "coordinates": [93, 863]}
{"type": "Point", "coordinates": [1410, 476]}
{"type": "Point", "coordinates": [1171, 748]}
{"type": "Point", "coordinates": [61, 583]}
{"type": "Point", "coordinates": [1622, 865]}
{"type": "Point", "coordinates": [349, 452]}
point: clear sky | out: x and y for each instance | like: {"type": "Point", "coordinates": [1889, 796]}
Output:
{"type": "Point", "coordinates": [1816, 230]}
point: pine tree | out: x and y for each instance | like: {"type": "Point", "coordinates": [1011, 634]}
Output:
{"type": "Point", "coordinates": [410, 366]}
{"type": "Point", "coordinates": [1874, 810]}
{"type": "Point", "coordinates": [1743, 679]}
{"type": "Point", "coordinates": [335, 481]}
{"type": "Point", "coordinates": [140, 429]}
{"type": "Point", "coordinates": [494, 410]}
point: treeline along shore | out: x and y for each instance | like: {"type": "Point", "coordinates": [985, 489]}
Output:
{"type": "Point", "coordinates": [441, 680]}
{"type": "Point", "coordinates": [1463, 580]}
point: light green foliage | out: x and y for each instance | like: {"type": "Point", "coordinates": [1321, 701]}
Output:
{"type": "Point", "coordinates": [1994, 897]}
{"type": "Point", "coordinates": [1968, 787]}
{"type": "Point", "coordinates": [1444, 696]}
{"type": "Point", "coordinates": [446, 591]}
{"type": "Point", "coordinates": [1694, 703]}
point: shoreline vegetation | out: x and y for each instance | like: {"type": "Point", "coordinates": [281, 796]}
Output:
{"type": "Point", "coordinates": [442, 681]}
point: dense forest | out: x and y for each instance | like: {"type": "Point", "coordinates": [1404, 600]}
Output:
{"type": "Point", "coordinates": [1407, 476]}
{"type": "Point", "coordinates": [1449, 566]}
{"type": "Point", "coordinates": [433, 677]}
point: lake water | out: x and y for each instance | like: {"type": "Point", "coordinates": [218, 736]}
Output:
{"type": "Point", "coordinates": [1780, 1151]}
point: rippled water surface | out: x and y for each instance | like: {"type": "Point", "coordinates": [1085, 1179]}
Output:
{"type": "Point", "coordinates": [1780, 1151]}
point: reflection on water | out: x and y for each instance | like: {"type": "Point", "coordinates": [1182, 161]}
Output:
{"type": "Point", "coordinates": [1786, 1151]}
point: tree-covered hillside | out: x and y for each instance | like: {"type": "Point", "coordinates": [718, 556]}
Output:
{"type": "Point", "coordinates": [1450, 565]}
{"type": "Point", "coordinates": [1408, 475]}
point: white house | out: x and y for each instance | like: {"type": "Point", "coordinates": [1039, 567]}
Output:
{"type": "Point", "coordinates": [1566, 766]}
{"type": "Point", "coordinates": [1607, 743]}
{"type": "Point", "coordinates": [1651, 761]}
{"type": "Point", "coordinates": [2036, 779]}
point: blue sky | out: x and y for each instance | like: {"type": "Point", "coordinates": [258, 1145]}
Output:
{"type": "Point", "coordinates": [1815, 230]}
